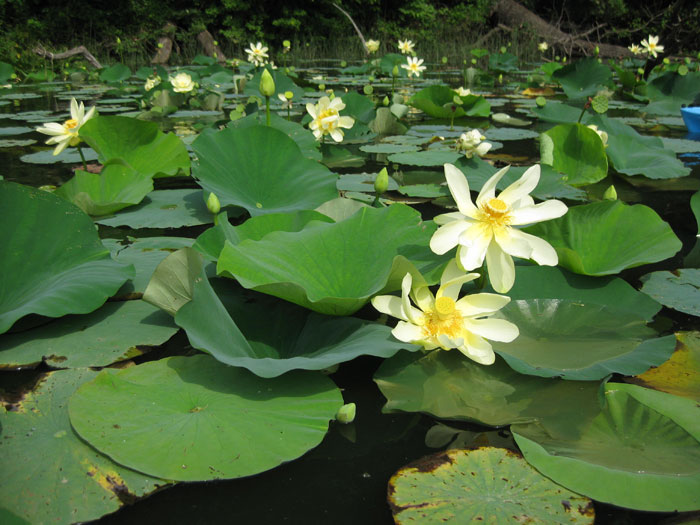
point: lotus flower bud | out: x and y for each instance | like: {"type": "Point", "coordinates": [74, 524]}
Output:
{"type": "Point", "coordinates": [213, 203]}
{"type": "Point", "coordinates": [267, 84]}
{"type": "Point", "coordinates": [346, 413]}
{"type": "Point", "coordinates": [395, 71]}
{"type": "Point", "coordinates": [610, 194]}
{"type": "Point", "coordinates": [381, 183]}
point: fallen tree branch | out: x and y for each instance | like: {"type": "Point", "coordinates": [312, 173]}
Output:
{"type": "Point", "coordinates": [80, 50]}
{"type": "Point", "coordinates": [359, 33]}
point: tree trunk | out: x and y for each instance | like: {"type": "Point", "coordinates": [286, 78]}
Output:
{"type": "Point", "coordinates": [513, 14]}
{"type": "Point", "coordinates": [165, 46]}
{"type": "Point", "coordinates": [211, 47]}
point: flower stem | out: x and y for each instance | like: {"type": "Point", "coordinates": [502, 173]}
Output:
{"type": "Point", "coordinates": [80, 151]}
{"type": "Point", "coordinates": [267, 109]}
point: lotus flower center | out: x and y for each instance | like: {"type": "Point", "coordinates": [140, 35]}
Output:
{"type": "Point", "coordinates": [328, 118]}
{"type": "Point", "coordinates": [496, 212]}
{"type": "Point", "coordinates": [70, 123]}
{"type": "Point", "coordinates": [444, 305]}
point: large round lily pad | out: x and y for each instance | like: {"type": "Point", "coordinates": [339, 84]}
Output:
{"type": "Point", "coordinates": [262, 170]}
{"type": "Point", "coordinates": [631, 454]}
{"type": "Point", "coordinates": [52, 262]}
{"type": "Point", "coordinates": [490, 485]}
{"type": "Point", "coordinates": [604, 238]}
{"type": "Point", "coordinates": [679, 289]}
{"type": "Point", "coordinates": [47, 473]}
{"type": "Point", "coordinates": [193, 418]}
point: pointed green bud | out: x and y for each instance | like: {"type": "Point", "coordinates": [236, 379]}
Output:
{"type": "Point", "coordinates": [346, 413]}
{"type": "Point", "coordinates": [395, 71]}
{"type": "Point", "coordinates": [385, 101]}
{"type": "Point", "coordinates": [610, 194]}
{"type": "Point", "coordinates": [381, 183]}
{"type": "Point", "coordinates": [267, 84]}
{"type": "Point", "coordinates": [213, 203]}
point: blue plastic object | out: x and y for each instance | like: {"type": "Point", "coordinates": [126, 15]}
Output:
{"type": "Point", "coordinates": [691, 117]}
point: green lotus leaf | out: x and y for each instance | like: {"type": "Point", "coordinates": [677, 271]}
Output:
{"type": "Point", "coordinates": [510, 133]}
{"type": "Point", "coordinates": [503, 62]}
{"type": "Point", "coordinates": [388, 148]}
{"type": "Point", "coordinates": [557, 112]}
{"type": "Point", "coordinates": [581, 341]}
{"type": "Point", "coordinates": [362, 182]}
{"type": "Point", "coordinates": [262, 170]}
{"type": "Point", "coordinates": [330, 268]}
{"type": "Point", "coordinates": [679, 289]}
{"type": "Point", "coordinates": [358, 107]}
{"type": "Point", "coordinates": [583, 78]}
{"type": "Point", "coordinates": [116, 187]}
{"type": "Point", "coordinates": [490, 485]}
{"type": "Point", "coordinates": [340, 209]}
{"type": "Point", "coordinates": [112, 333]}
{"type": "Point", "coordinates": [431, 100]}
{"type": "Point", "coordinates": [115, 73]}
{"type": "Point", "coordinates": [50, 475]}
{"type": "Point", "coordinates": [632, 454]}
{"type": "Point", "coordinates": [669, 91]}
{"type": "Point", "coordinates": [52, 262]}
{"type": "Point", "coordinates": [386, 123]}
{"type": "Point", "coordinates": [449, 385]}
{"type": "Point", "coordinates": [426, 158]}
{"type": "Point", "coordinates": [547, 282]}
{"type": "Point", "coordinates": [6, 72]}
{"type": "Point", "coordinates": [575, 150]}
{"type": "Point", "coordinates": [164, 209]}
{"type": "Point", "coordinates": [604, 238]}
{"type": "Point", "coordinates": [633, 154]}
{"type": "Point", "coordinates": [303, 137]}
{"type": "Point", "coordinates": [211, 242]}
{"type": "Point", "coordinates": [270, 337]}
{"type": "Point", "coordinates": [680, 375]}
{"type": "Point", "coordinates": [193, 418]}
{"type": "Point", "coordinates": [137, 144]}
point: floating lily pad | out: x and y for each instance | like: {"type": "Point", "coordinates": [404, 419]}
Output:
{"type": "Point", "coordinates": [193, 418]}
{"type": "Point", "coordinates": [17, 130]}
{"type": "Point", "coordinates": [575, 150]}
{"type": "Point", "coordinates": [262, 170]}
{"type": "Point", "coordinates": [67, 156]}
{"type": "Point", "coordinates": [16, 143]}
{"type": "Point", "coordinates": [604, 238]}
{"type": "Point", "coordinates": [581, 341]}
{"type": "Point", "coordinates": [331, 268]}
{"type": "Point", "coordinates": [52, 262]}
{"type": "Point", "coordinates": [487, 484]}
{"type": "Point", "coordinates": [510, 134]}
{"type": "Point", "coordinates": [164, 209]}
{"type": "Point", "coordinates": [680, 375]}
{"type": "Point", "coordinates": [428, 191]}
{"type": "Point", "coordinates": [426, 158]}
{"type": "Point", "coordinates": [681, 145]}
{"type": "Point", "coordinates": [48, 474]}
{"type": "Point", "coordinates": [448, 385]}
{"type": "Point", "coordinates": [388, 148]}
{"type": "Point", "coordinates": [137, 144]}
{"type": "Point", "coordinates": [110, 334]}
{"type": "Point", "coordinates": [630, 455]}
{"type": "Point", "coordinates": [362, 182]}
{"type": "Point", "coordinates": [504, 118]}
{"type": "Point", "coordinates": [679, 289]}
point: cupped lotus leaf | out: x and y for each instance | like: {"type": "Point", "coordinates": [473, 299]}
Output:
{"type": "Point", "coordinates": [583, 78]}
{"type": "Point", "coordinates": [449, 385]}
{"type": "Point", "coordinates": [331, 268]}
{"type": "Point", "coordinates": [262, 170]}
{"type": "Point", "coordinates": [138, 144]}
{"type": "Point", "coordinates": [109, 334]}
{"type": "Point", "coordinates": [489, 485]}
{"type": "Point", "coordinates": [195, 419]}
{"type": "Point", "coordinates": [48, 474]}
{"type": "Point", "coordinates": [303, 137]}
{"type": "Point", "coordinates": [632, 454]}
{"type": "Point", "coordinates": [604, 238]}
{"type": "Point", "coordinates": [116, 187]}
{"type": "Point", "coordinates": [679, 289]}
{"type": "Point", "coordinates": [670, 91]}
{"type": "Point", "coordinates": [270, 337]}
{"type": "Point", "coordinates": [386, 123]}
{"type": "Point", "coordinates": [172, 283]}
{"type": "Point", "coordinates": [680, 375]}
{"type": "Point", "coordinates": [576, 151]}
{"type": "Point", "coordinates": [52, 262]}
{"type": "Point", "coordinates": [548, 282]}
{"type": "Point", "coordinates": [580, 341]}
{"type": "Point", "coordinates": [358, 107]}
{"type": "Point", "coordinates": [164, 209]}
{"type": "Point", "coordinates": [432, 101]}
{"type": "Point", "coordinates": [633, 154]}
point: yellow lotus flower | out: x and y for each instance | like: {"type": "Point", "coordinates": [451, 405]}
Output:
{"type": "Point", "coordinates": [463, 92]}
{"type": "Point", "coordinates": [602, 134]}
{"type": "Point", "coordinates": [444, 320]}
{"type": "Point", "coordinates": [635, 49]}
{"type": "Point", "coordinates": [543, 46]}
{"type": "Point", "coordinates": [257, 54]}
{"type": "Point", "coordinates": [182, 83]}
{"type": "Point", "coordinates": [326, 119]}
{"type": "Point", "coordinates": [652, 46]}
{"type": "Point", "coordinates": [372, 45]}
{"type": "Point", "coordinates": [406, 47]}
{"type": "Point", "coordinates": [413, 66]}
{"type": "Point", "coordinates": [66, 134]}
{"type": "Point", "coordinates": [486, 230]}
{"type": "Point", "coordinates": [151, 82]}
{"type": "Point", "coordinates": [472, 143]}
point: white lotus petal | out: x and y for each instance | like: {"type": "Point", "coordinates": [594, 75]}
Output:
{"type": "Point", "coordinates": [543, 211]}
{"type": "Point", "coordinates": [493, 329]}
{"type": "Point", "coordinates": [447, 343]}
{"type": "Point", "coordinates": [89, 114]}
{"type": "Point", "coordinates": [449, 217]}
{"type": "Point", "coordinates": [542, 252]}
{"type": "Point", "coordinates": [61, 146]}
{"type": "Point", "coordinates": [75, 112]}
{"type": "Point", "coordinates": [346, 122]}
{"type": "Point", "coordinates": [459, 188]}
{"type": "Point", "coordinates": [408, 333]}
{"type": "Point", "coordinates": [513, 245]}
{"type": "Point", "coordinates": [474, 242]}
{"type": "Point", "coordinates": [52, 128]}
{"type": "Point", "coordinates": [500, 268]}
{"type": "Point", "coordinates": [390, 305]}
{"type": "Point", "coordinates": [337, 135]}
{"type": "Point", "coordinates": [488, 190]}
{"type": "Point", "coordinates": [447, 237]}
{"type": "Point", "coordinates": [311, 109]}
{"type": "Point", "coordinates": [479, 304]}
{"type": "Point", "coordinates": [523, 186]}
{"type": "Point", "coordinates": [478, 349]}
